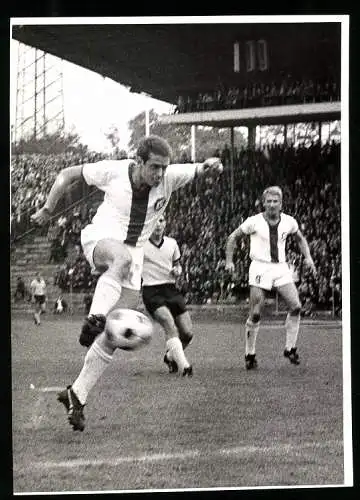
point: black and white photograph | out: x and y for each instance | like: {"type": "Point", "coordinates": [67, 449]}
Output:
{"type": "Point", "coordinates": [179, 254]}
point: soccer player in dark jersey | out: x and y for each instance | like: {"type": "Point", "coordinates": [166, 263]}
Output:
{"type": "Point", "coordinates": [162, 299]}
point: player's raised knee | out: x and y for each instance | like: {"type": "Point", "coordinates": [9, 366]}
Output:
{"type": "Point", "coordinates": [120, 266]}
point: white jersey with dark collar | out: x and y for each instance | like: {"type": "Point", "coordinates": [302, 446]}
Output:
{"type": "Point", "coordinates": [38, 287]}
{"type": "Point", "coordinates": [131, 214]}
{"type": "Point", "coordinates": [267, 243]}
{"type": "Point", "coordinates": [159, 260]}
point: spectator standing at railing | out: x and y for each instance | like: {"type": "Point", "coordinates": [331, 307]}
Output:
{"type": "Point", "coordinates": [54, 235]}
{"type": "Point", "coordinates": [75, 229]}
{"type": "Point", "coordinates": [60, 305]}
{"type": "Point", "coordinates": [20, 289]}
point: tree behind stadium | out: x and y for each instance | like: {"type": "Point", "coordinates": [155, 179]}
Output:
{"type": "Point", "coordinates": [56, 143]}
{"type": "Point", "coordinates": [208, 139]}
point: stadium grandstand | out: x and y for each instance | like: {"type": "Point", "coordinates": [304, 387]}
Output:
{"type": "Point", "coordinates": [260, 79]}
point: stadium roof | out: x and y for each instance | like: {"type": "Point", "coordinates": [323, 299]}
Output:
{"type": "Point", "coordinates": [168, 60]}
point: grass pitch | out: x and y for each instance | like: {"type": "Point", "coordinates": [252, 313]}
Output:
{"type": "Point", "coordinates": [225, 427]}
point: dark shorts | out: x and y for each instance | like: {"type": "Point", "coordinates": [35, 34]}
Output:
{"type": "Point", "coordinates": [39, 299]}
{"type": "Point", "coordinates": [163, 295]}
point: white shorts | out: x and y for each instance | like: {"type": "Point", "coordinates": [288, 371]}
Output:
{"type": "Point", "coordinates": [90, 237]}
{"type": "Point", "coordinates": [268, 275]}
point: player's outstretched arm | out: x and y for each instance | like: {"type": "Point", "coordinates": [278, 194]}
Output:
{"type": "Point", "coordinates": [210, 166]}
{"type": "Point", "coordinates": [179, 174]}
{"type": "Point", "coordinates": [62, 182]}
{"type": "Point", "coordinates": [230, 247]}
{"type": "Point", "coordinates": [305, 250]}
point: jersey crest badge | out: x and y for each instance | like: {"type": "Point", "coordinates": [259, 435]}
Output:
{"type": "Point", "coordinates": [159, 204]}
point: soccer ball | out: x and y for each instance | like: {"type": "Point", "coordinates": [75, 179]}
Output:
{"type": "Point", "coordinates": [132, 329]}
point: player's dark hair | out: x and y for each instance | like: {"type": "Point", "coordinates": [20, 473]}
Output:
{"type": "Point", "coordinates": [153, 144]}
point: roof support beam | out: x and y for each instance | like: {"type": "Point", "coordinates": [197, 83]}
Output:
{"type": "Point", "coordinates": [323, 111]}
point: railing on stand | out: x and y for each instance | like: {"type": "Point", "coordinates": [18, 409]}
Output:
{"type": "Point", "coordinates": [27, 228]}
{"type": "Point", "coordinates": [71, 305]}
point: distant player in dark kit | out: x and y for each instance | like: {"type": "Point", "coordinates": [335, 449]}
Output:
{"type": "Point", "coordinates": [268, 231]}
{"type": "Point", "coordinates": [164, 302]}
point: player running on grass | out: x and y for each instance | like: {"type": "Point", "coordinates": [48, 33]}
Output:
{"type": "Point", "coordinates": [136, 195]}
{"type": "Point", "coordinates": [38, 294]}
{"type": "Point", "coordinates": [268, 231]}
{"type": "Point", "coordinates": [164, 302]}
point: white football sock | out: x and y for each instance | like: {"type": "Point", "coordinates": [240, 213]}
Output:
{"type": "Point", "coordinates": [176, 353]}
{"type": "Point", "coordinates": [251, 332]}
{"type": "Point", "coordinates": [106, 295]}
{"type": "Point", "coordinates": [184, 344]}
{"type": "Point", "coordinates": [95, 363]}
{"type": "Point", "coordinates": [292, 324]}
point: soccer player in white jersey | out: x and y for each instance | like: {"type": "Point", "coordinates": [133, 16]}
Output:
{"type": "Point", "coordinates": [136, 195]}
{"type": "Point", "coordinates": [38, 295]}
{"type": "Point", "coordinates": [268, 231]}
{"type": "Point", "coordinates": [164, 302]}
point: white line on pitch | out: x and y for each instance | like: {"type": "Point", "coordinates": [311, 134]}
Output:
{"type": "Point", "coordinates": [37, 417]}
{"type": "Point", "coordinates": [50, 389]}
{"type": "Point", "coordinates": [280, 324]}
{"type": "Point", "coordinates": [157, 457]}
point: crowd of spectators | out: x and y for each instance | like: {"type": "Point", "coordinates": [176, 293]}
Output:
{"type": "Point", "coordinates": [32, 176]}
{"type": "Point", "coordinates": [202, 215]}
{"type": "Point", "coordinates": [64, 233]}
{"type": "Point", "coordinates": [258, 94]}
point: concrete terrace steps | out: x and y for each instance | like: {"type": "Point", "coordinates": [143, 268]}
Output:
{"type": "Point", "coordinates": [40, 244]}
{"type": "Point", "coordinates": [37, 246]}
{"type": "Point", "coordinates": [19, 266]}
{"type": "Point", "coordinates": [31, 257]}
{"type": "Point", "coordinates": [27, 258]}
{"type": "Point", "coordinates": [50, 289]}
{"type": "Point", "coordinates": [30, 253]}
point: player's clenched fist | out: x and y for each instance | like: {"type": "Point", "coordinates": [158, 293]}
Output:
{"type": "Point", "coordinates": [213, 164]}
{"type": "Point", "coordinates": [230, 266]}
{"type": "Point", "coordinates": [176, 271]}
{"type": "Point", "coordinates": [310, 264]}
{"type": "Point", "coordinates": [41, 217]}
